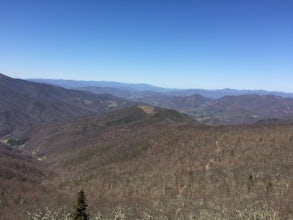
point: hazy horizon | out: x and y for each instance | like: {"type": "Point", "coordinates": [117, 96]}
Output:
{"type": "Point", "coordinates": [171, 44]}
{"type": "Point", "coordinates": [142, 83]}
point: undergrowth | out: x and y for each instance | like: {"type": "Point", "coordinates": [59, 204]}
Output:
{"type": "Point", "coordinates": [120, 213]}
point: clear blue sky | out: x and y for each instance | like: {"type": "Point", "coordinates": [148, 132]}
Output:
{"type": "Point", "coordinates": [212, 44]}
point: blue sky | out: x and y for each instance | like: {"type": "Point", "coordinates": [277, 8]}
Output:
{"type": "Point", "coordinates": [212, 44]}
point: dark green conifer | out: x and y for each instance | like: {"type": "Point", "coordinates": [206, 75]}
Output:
{"type": "Point", "coordinates": [80, 207]}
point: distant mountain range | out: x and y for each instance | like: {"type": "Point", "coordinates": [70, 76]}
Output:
{"type": "Point", "coordinates": [25, 103]}
{"type": "Point", "coordinates": [225, 106]}
{"type": "Point", "coordinates": [70, 84]}
{"type": "Point", "coordinates": [125, 90]}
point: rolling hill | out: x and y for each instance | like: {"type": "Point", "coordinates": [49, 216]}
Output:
{"type": "Point", "coordinates": [23, 104]}
{"type": "Point", "coordinates": [246, 109]}
{"type": "Point", "coordinates": [213, 107]}
{"type": "Point", "coordinates": [184, 104]}
{"type": "Point", "coordinates": [230, 110]}
{"type": "Point", "coordinates": [158, 162]}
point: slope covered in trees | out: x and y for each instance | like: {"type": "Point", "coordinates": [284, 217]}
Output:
{"type": "Point", "coordinates": [144, 161]}
{"type": "Point", "coordinates": [23, 104]}
{"type": "Point", "coordinates": [139, 162]}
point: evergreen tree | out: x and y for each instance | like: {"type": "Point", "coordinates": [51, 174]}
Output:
{"type": "Point", "coordinates": [80, 207]}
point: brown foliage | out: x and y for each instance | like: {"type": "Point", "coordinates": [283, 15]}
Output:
{"type": "Point", "coordinates": [167, 166]}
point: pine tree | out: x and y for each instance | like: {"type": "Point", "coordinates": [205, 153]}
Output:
{"type": "Point", "coordinates": [80, 207]}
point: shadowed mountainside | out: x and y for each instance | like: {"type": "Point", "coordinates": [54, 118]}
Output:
{"type": "Point", "coordinates": [23, 104]}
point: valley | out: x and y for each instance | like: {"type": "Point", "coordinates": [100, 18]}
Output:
{"type": "Point", "coordinates": [143, 161]}
{"type": "Point", "coordinates": [213, 107]}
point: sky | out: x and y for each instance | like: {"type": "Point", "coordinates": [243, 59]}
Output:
{"type": "Point", "coordinates": [209, 44]}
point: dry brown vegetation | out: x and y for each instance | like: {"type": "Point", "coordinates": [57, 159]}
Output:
{"type": "Point", "coordinates": [228, 110]}
{"type": "Point", "coordinates": [159, 165]}
{"type": "Point", "coordinates": [21, 184]}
